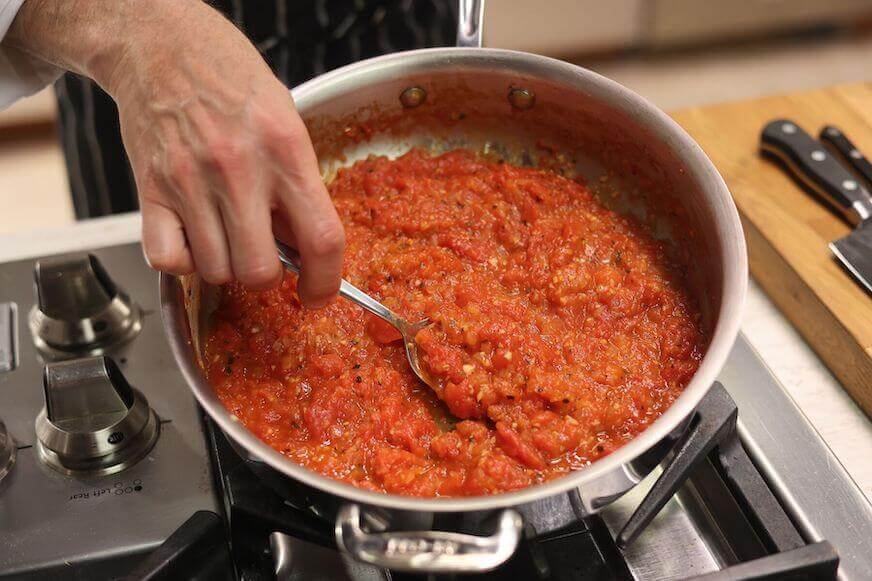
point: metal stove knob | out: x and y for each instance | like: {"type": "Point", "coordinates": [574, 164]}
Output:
{"type": "Point", "coordinates": [93, 421]}
{"type": "Point", "coordinates": [79, 310]}
{"type": "Point", "coordinates": [7, 451]}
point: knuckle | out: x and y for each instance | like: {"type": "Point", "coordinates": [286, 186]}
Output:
{"type": "Point", "coordinates": [327, 239]}
{"type": "Point", "coordinates": [225, 153]}
{"type": "Point", "coordinates": [284, 138]}
{"type": "Point", "coordinates": [281, 133]}
{"type": "Point", "coordinates": [258, 275]}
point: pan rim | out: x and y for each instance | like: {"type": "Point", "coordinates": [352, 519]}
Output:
{"type": "Point", "coordinates": [733, 289]}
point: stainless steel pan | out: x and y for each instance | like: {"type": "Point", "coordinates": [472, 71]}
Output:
{"type": "Point", "coordinates": [511, 103]}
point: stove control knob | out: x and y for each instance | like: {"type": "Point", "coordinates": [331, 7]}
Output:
{"type": "Point", "coordinates": [7, 451]}
{"type": "Point", "coordinates": [93, 421]}
{"type": "Point", "coordinates": [79, 310]}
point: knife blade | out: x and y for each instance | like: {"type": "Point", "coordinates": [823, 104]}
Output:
{"type": "Point", "coordinates": [815, 168]}
{"type": "Point", "coordinates": [855, 252]}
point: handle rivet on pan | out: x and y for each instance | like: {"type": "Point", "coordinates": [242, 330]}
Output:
{"type": "Point", "coordinates": [413, 97]}
{"type": "Point", "coordinates": [522, 99]}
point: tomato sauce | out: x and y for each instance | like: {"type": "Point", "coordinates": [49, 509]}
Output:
{"type": "Point", "coordinates": [560, 331]}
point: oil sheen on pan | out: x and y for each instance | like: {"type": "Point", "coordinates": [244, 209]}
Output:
{"type": "Point", "coordinates": [560, 331]}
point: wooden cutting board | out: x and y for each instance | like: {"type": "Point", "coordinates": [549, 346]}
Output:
{"type": "Point", "coordinates": [788, 230]}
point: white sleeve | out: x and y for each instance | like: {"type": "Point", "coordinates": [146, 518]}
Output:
{"type": "Point", "coordinates": [20, 74]}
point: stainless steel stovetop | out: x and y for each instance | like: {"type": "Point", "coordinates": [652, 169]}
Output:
{"type": "Point", "coordinates": [52, 520]}
{"type": "Point", "coordinates": [92, 507]}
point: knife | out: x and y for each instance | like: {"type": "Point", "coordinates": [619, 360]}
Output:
{"type": "Point", "coordinates": [810, 163]}
{"type": "Point", "coordinates": [840, 145]}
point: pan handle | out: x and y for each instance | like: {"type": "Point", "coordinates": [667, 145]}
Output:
{"type": "Point", "coordinates": [428, 551]}
{"type": "Point", "coordinates": [470, 16]}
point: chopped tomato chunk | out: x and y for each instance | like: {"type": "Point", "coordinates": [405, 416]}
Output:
{"type": "Point", "coordinates": [560, 330]}
{"type": "Point", "coordinates": [381, 331]}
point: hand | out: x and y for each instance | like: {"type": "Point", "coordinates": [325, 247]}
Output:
{"type": "Point", "coordinates": [222, 159]}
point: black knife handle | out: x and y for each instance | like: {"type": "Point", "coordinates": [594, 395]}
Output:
{"type": "Point", "coordinates": [834, 138]}
{"type": "Point", "coordinates": [816, 168]}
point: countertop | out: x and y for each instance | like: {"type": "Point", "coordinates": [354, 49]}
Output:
{"type": "Point", "coordinates": [842, 424]}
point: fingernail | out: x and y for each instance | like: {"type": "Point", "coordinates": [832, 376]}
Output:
{"type": "Point", "coordinates": [145, 256]}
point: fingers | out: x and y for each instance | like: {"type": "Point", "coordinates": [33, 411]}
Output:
{"type": "Point", "coordinates": [320, 241]}
{"type": "Point", "coordinates": [252, 246]}
{"type": "Point", "coordinates": [238, 182]}
{"type": "Point", "coordinates": [220, 195]}
{"type": "Point", "coordinates": [208, 243]}
{"type": "Point", "coordinates": [306, 206]}
{"type": "Point", "coordinates": [202, 219]}
{"type": "Point", "coordinates": [163, 240]}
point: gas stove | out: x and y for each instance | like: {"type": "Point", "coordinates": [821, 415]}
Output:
{"type": "Point", "coordinates": [111, 457]}
{"type": "Point", "coordinates": [109, 470]}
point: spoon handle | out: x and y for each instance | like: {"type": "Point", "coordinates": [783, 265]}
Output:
{"type": "Point", "coordinates": [291, 259]}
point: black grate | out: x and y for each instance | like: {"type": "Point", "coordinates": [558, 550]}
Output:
{"type": "Point", "coordinates": [764, 542]}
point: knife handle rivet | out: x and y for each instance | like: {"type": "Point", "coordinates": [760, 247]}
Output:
{"type": "Point", "coordinates": [788, 128]}
{"type": "Point", "coordinates": [818, 155]}
{"type": "Point", "coordinates": [849, 185]}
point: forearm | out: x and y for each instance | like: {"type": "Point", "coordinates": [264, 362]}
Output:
{"type": "Point", "coordinates": [214, 141]}
{"type": "Point", "coordinates": [93, 37]}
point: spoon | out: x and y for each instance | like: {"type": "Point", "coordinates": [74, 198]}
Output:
{"type": "Point", "coordinates": [291, 260]}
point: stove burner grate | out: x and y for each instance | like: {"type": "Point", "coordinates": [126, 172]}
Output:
{"type": "Point", "coordinates": [762, 539]}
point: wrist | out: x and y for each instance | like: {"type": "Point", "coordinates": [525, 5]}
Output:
{"type": "Point", "coordinates": [146, 33]}
{"type": "Point", "coordinates": [96, 38]}
{"type": "Point", "coordinates": [168, 43]}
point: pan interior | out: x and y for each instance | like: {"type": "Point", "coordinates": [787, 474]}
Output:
{"type": "Point", "coordinates": [576, 126]}
{"type": "Point", "coordinates": [628, 167]}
